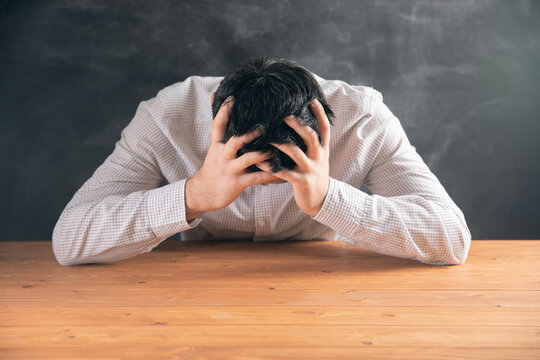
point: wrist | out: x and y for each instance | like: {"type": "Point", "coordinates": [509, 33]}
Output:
{"type": "Point", "coordinates": [311, 202]}
{"type": "Point", "coordinates": [315, 210]}
{"type": "Point", "coordinates": [192, 205]}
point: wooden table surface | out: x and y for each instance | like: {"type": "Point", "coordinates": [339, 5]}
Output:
{"type": "Point", "coordinates": [287, 300]}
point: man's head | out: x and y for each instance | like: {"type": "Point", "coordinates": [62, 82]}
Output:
{"type": "Point", "coordinates": [265, 91]}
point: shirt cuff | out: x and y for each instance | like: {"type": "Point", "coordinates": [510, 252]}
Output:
{"type": "Point", "coordinates": [167, 210]}
{"type": "Point", "coordinates": [344, 207]}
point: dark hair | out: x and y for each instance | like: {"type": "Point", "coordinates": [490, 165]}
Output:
{"type": "Point", "coordinates": [265, 91]}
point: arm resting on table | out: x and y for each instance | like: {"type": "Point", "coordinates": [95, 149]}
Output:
{"type": "Point", "coordinates": [120, 212]}
{"type": "Point", "coordinates": [410, 214]}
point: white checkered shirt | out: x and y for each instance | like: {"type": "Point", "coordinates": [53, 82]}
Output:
{"type": "Point", "coordinates": [122, 211]}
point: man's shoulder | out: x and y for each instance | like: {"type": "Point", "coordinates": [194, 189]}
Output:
{"type": "Point", "coordinates": [347, 89]}
{"type": "Point", "coordinates": [188, 99]}
{"type": "Point", "coordinates": [358, 99]}
{"type": "Point", "coordinates": [353, 105]}
{"type": "Point", "coordinates": [191, 85]}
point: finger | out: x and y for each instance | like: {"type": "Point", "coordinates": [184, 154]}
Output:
{"type": "Point", "coordinates": [310, 137]}
{"type": "Point", "coordinates": [283, 174]}
{"type": "Point", "coordinates": [235, 143]}
{"type": "Point", "coordinates": [255, 178]}
{"type": "Point", "coordinates": [294, 152]}
{"type": "Point", "coordinates": [250, 158]}
{"type": "Point", "coordinates": [219, 125]}
{"type": "Point", "coordinates": [322, 120]}
{"type": "Point", "coordinates": [277, 181]}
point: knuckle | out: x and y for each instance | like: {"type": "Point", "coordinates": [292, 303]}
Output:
{"type": "Point", "coordinates": [241, 162]}
{"type": "Point", "coordinates": [312, 134]}
{"type": "Point", "coordinates": [308, 129]}
{"type": "Point", "coordinates": [242, 182]}
{"type": "Point", "coordinates": [249, 159]}
{"type": "Point", "coordinates": [233, 139]}
{"type": "Point", "coordinates": [235, 142]}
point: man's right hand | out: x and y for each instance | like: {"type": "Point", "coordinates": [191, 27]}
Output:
{"type": "Point", "coordinates": [223, 176]}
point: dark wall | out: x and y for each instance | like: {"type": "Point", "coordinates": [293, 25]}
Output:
{"type": "Point", "coordinates": [463, 76]}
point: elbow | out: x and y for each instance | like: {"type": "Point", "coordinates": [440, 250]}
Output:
{"type": "Point", "coordinates": [456, 248]}
{"type": "Point", "coordinates": [65, 257]}
{"type": "Point", "coordinates": [453, 244]}
{"type": "Point", "coordinates": [59, 245]}
{"type": "Point", "coordinates": [458, 253]}
{"type": "Point", "coordinates": [70, 241]}
{"type": "Point", "coordinates": [63, 246]}
{"type": "Point", "coordinates": [61, 258]}
{"type": "Point", "coordinates": [460, 246]}
{"type": "Point", "coordinates": [460, 240]}
{"type": "Point", "coordinates": [65, 261]}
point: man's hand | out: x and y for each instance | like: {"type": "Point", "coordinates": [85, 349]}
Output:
{"type": "Point", "coordinates": [310, 178]}
{"type": "Point", "coordinates": [223, 176]}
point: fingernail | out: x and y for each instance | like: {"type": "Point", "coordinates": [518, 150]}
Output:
{"type": "Point", "coordinates": [315, 102]}
{"type": "Point", "coordinates": [228, 100]}
{"type": "Point", "coordinates": [290, 118]}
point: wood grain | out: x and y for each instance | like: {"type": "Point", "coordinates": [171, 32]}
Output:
{"type": "Point", "coordinates": [301, 300]}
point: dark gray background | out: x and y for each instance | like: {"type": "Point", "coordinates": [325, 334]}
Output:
{"type": "Point", "coordinates": [463, 77]}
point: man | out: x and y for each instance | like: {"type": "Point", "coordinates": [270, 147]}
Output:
{"type": "Point", "coordinates": [313, 170]}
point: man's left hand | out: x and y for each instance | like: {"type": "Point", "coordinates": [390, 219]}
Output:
{"type": "Point", "coordinates": [310, 178]}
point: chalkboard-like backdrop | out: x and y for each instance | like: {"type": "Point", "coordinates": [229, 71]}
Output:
{"type": "Point", "coordinates": [462, 75]}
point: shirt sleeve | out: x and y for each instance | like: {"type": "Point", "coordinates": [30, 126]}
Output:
{"type": "Point", "coordinates": [410, 215]}
{"type": "Point", "coordinates": [121, 211]}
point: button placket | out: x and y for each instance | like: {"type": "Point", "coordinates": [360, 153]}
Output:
{"type": "Point", "coordinates": [258, 215]}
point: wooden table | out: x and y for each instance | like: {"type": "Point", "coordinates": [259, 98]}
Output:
{"type": "Point", "coordinates": [289, 300]}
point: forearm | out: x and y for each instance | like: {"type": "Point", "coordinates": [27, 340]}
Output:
{"type": "Point", "coordinates": [117, 227]}
{"type": "Point", "coordinates": [430, 230]}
